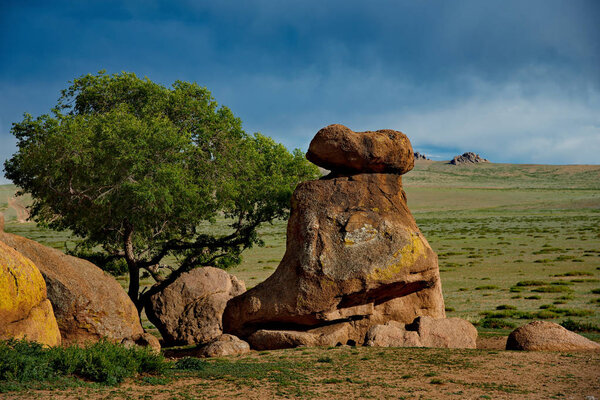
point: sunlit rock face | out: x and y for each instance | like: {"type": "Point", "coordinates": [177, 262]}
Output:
{"type": "Point", "coordinates": [354, 257]}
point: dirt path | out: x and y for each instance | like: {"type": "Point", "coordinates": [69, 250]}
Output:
{"type": "Point", "coordinates": [22, 213]}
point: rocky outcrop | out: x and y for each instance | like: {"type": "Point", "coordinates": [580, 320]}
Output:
{"type": "Point", "coordinates": [338, 148]}
{"type": "Point", "coordinates": [354, 254]}
{"type": "Point", "coordinates": [547, 336]}
{"type": "Point", "coordinates": [225, 345]}
{"type": "Point", "coordinates": [88, 303]}
{"type": "Point", "coordinates": [453, 333]}
{"type": "Point", "coordinates": [190, 310]}
{"type": "Point", "coordinates": [419, 156]}
{"type": "Point", "coordinates": [468, 158]}
{"type": "Point", "coordinates": [25, 311]}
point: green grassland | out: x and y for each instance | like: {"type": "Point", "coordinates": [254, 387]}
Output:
{"type": "Point", "coordinates": [515, 242]}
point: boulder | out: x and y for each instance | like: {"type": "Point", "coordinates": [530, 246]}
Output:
{"type": "Point", "coordinates": [547, 336]}
{"type": "Point", "coordinates": [88, 303]}
{"type": "Point", "coordinates": [25, 311]}
{"type": "Point", "coordinates": [143, 340]}
{"type": "Point", "coordinates": [337, 148]}
{"type": "Point", "coordinates": [468, 158]}
{"type": "Point", "coordinates": [224, 345]}
{"type": "Point", "coordinates": [354, 254]}
{"type": "Point", "coordinates": [190, 310]}
{"type": "Point", "coordinates": [455, 333]}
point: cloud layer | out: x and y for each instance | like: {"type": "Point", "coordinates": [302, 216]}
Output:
{"type": "Point", "coordinates": [516, 81]}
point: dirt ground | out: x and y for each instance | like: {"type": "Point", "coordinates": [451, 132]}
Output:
{"type": "Point", "coordinates": [369, 373]}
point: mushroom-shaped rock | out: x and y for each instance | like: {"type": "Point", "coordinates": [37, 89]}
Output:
{"type": "Point", "coordinates": [88, 303]}
{"type": "Point", "coordinates": [190, 309]}
{"type": "Point", "coordinates": [25, 311]}
{"type": "Point", "coordinates": [547, 336]}
{"type": "Point", "coordinates": [339, 149]}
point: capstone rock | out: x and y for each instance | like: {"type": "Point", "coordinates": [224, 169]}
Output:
{"type": "Point", "coordinates": [338, 148]}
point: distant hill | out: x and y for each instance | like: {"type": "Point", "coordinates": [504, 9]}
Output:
{"type": "Point", "coordinates": [494, 175]}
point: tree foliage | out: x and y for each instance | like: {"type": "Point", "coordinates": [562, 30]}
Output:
{"type": "Point", "coordinates": [143, 171]}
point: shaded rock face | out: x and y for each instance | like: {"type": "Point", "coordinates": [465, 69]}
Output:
{"type": "Point", "coordinates": [354, 256]}
{"type": "Point", "coordinates": [190, 310]}
{"type": "Point", "coordinates": [468, 158]}
{"type": "Point", "coordinates": [547, 336]}
{"type": "Point", "coordinates": [143, 340]}
{"type": "Point", "coordinates": [88, 303]}
{"type": "Point", "coordinates": [453, 333]}
{"type": "Point", "coordinates": [25, 311]}
{"type": "Point", "coordinates": [338, 148]}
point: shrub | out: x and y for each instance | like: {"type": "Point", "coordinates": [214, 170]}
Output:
{"type": "Point", "coordinates": [506, 307]}
{"type": "Point", "coordinates": [103, 362]}
{"type": "Point", "coordinates": [552, 289]}
{"type": "Point", "coordinates": [495, 323]}
{"type": "Point", "coordinates": [531, 283]}
{"type": "Point", "coordinates": [579, 326]}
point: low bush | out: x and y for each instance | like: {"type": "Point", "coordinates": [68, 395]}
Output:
{"type": "Point", "coordinates": [576, 326]}
{"type": "Point", "coordinates": [103, 362]}
{"type": "Point", "coordinates": [552, 289]}
{"type": "Point", "coordinates": [496, 323]}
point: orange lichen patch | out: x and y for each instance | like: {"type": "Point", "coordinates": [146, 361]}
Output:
{"type": "Point", "coordinates": [401, 259]}
{"type": "Point", "coordinates": [22, 286]}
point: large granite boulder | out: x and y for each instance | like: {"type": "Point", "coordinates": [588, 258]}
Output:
{"type": "Point", "coordinates": [337, 148]}
{"type": "Point", "coordinates": [25, 311]}
{"type": "Point", "coordinates": [190, 310]}
{"type": "Point", "coordinates": [453, 333]}
{"type": "Point", "coordinates": [547, 336]}
{"type": "Point", "coordinates": [88, 303]}
{"type": "Point", "coordinates": [354, 254]}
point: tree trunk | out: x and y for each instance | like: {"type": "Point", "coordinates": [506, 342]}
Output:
{"type": "Point", "coordinates": [134, 269]}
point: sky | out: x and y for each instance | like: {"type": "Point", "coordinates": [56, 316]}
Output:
{"type": "Point", "coordinates": [515, 81]}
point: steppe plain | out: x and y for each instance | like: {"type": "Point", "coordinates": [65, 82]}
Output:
{"type": "Point", "coordinates": [515, 243]}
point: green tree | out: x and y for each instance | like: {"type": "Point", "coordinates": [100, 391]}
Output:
{"type": "Point", "coordinates": [143, 171]}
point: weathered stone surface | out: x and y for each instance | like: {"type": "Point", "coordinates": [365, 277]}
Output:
{"type": "Point", "coordinates": [225, 345]}
{"type": "Point", "coordinates": [25, 311]}
{"type": "Point", "coordinates": [424, 332]}
{"type": "Point", "coordinates": [143, 340]}
{"type": "Point", "coordinates": [88, 303]}
{"type": "Point", "coordinates": [548, 336]}
{"type": "Point", "coordinates": [190, 310]}
{"type": "Point", "coordinates": [468, 158]}
{"type": "Point", "coordinates": [354, 253]}
{"type": "Point", "coordinates": [337, 148]}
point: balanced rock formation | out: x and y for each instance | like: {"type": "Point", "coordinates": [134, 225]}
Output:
{"type": "Point", "coordinates": [354, 254]}
{"type": "Point", "coordinates": [419, 156]}
{"type": "Point", "coordinates": [547, 336]}
{"type": "Point", "coordinates": [25, 311]}
{"type": "Point", "coordinates": [190, 310]}
{"type": "Point", "coordinates": [468, 158]}
{"type": "Point", "coordinates": [88, 303]}
{"type": "Point", "coordinates": [424, 332]}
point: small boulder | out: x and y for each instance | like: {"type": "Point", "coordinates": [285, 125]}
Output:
{"type": "Point", "coordinates": [190, 310]}
{"type": "Point", "coordinates": [88, 303]}
{"type": "Point", "coordinates": [547, 336]}
{"type": "Point", "coordinates": [25, 311]}
{"type": "Point", "coordinates": [454, 333]}
{"type": "Point", "coordinates": [143, 340]}
{"type": "Point", "coordinates": [338, 148]}
{"type": "Point", "coordinates": [224, 345]}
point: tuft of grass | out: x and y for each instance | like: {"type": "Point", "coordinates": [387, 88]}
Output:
{"type": "Point", "coordinates": [505, 307]}
{"type": "Point", "coordinates": [531, 283]}
{"type": "Point", "coordinates": [552, 289]}
{"type": "Point", "coordinates": [534, 297]}
{"type": "Point", "coordinates": [574, 273]}
{"type": "Point", "coordinates": [487, 287]}
{"type": "Point", "coordinates": [576, 326]}
{"type": "Point", "coordinates": [496, 323]}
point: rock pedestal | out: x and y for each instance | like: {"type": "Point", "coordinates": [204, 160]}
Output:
{"type": "Point", "coordinates": [354, 256]}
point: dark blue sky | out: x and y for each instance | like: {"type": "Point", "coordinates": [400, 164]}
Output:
{"type": "Point", "coordinates": [516, 81]}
